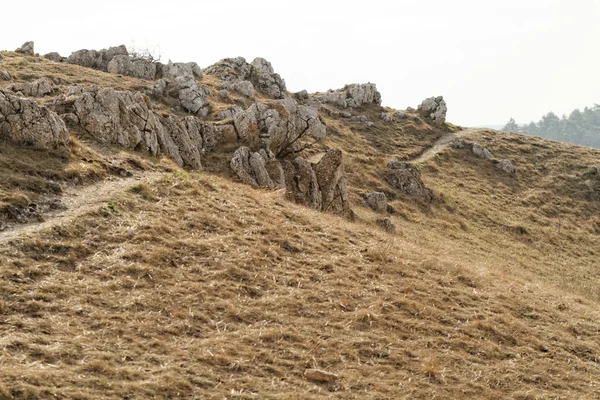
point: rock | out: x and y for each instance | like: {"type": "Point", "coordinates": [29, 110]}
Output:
{"type": "Point", "coordinates": [318, 375]}
{"type": "Point", "coordinates": [22, 121]}
{"type": "Point", "coordinates": [174, 70]}
{"type": "Point", "coordinates": [96, 59]}
{"type": "Point", "coordinates": [136, 67]}
{"type": "Point", "coordinates": [266, 80]}
{"type": "Point", "coordinates": [386, 117]}
{"type": "Point", "coordinates": [434, 110]}
{"type": "Point", "coordinates": [301, 183]}
{"type": "Point", "coordinates": [506, 166]}
{"type": "Point", "coordinates": [229, 113]}
{"type": "Point", "coordinates": [26, 48]}
{"type": "Point", "coordinates": [481, 151]}
{"type": "Point", "coordinates": [386, 224]}
{"type": "Point", "coordinates": [38, 88]}
{"type": "Point", "coordinates": [250, 168]}
{"type": "Point", "coordinates": [351, 96]}
{"type": "Point", "coordinates": [301, 95]}
{"type": "Point", "coordinates": [400, 115]}
{"type": "Point", "coordinates": [185, 91]}
{"type": "Point", "coordinates": [410, 109]}
{"type": "Point", "coordinates": [591, 178]}
{"type": "Point", "coordinates": [54, 56]}
{"type": "Point", "coordinates": [458, 143]}
{"type": "Point", "coordinates": [5, 76]}
{"type": "Point", "coordinates": [407, 178]}
{"type": "Point", "coordinates": [377, 201]}
{"type": "Point", "coordinates": [242, 87]}
{"type": "Point", "coordinates": [332, 182]}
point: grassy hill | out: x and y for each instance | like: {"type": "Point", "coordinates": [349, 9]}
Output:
{"type": "Point", "coordinates": [191, 285]}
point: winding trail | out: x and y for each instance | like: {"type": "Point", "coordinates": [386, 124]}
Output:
{"type": "Point", "coordinates": [78, 201]}
{"type": "Point", "coordinates": [442, 143]}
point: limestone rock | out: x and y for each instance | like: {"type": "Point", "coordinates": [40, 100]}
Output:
{"type": "Point", "coordinates": [506, 166]}
{"type": "Point", "coordinates": [481, 151]}
{"type": "Point", "coordinates": [54, 56]}
{"type": "Point", "coordinates": [301, 95]}
{"type": "Point", "coordinates": [266, 80]}
{"type": "Point", "coordinates": [251, 168]}
{"type": "Point", "coordinates": [174, 70]}
{"type": "Point", "coordinates": [96, 59]}
{"type": "Point", "coordinates": [318, 375]}
{"type": "Point", "coordinates": [22, 121]}
{"type": "Point", "coordinates": [386, 117]}
{"type": "Point", "coordinates": [400, 115]}
{"type": "Point", "coordinates": [458, 143]}
{"type": "Point", "coordinates": [386, 224]}
{"type": "Point", "coordinates": [351, 96]}
{"type": "Point", "coordinates": [242, 87]}
{"type": "Point", "coordinates": [332, 182]}
{"type": "Point", "coordinates": [136, 67]}
{"type": "Point", "coordinates": [38, 88]}
{"type": "Point", "coordinates": [407, 178]}
{"type": "Point", "coordinates": [26, 48]}
{"type": "Point", "coordinates": [301, 183]}
{"type": "Point", "coordinates": [434, 110]}
{"type": "Point", "coordinates": [377, 201]}
{"type": "Point", "coordinates": [184, 91]}
{"type": "Point", "coordinates": [5, 76]}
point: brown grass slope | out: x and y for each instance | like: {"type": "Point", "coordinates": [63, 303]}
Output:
{"type": "Point", "coordinates": [198, 287]}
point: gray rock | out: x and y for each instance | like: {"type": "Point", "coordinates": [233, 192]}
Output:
{"type": "Point", "coordinates": [458, 143]}
{"type": "Point", "coordinates": [481, 151]}
{"type": "Point", "coordinates": [400, 115]}
{"type": "Point", "coordinates": [251, 168]}
{"type": "Point", "coordinates": [54, 56]}
{"type": "Point", "coordinates": [5, 76]}
{"type": "Point", "coordinates": [136, 67]}
{"type": "Point", "coordinates": [26, 48]}
{"type": "Point", "coordinates": [266, 80]}
{"type": "Point", "coordinates": [332, 182]}
{"type": "Point", "coordinates": [242, 87]}
{"type": "Point", "coordinates": [229, 113]}
{"type": "Point", "coordinates": [377, 201]}
{"type": "Point", "coordinates": [193, 96]}
{"type": "Point", "coordinates": [351, 96]}
{"type": "Point", "coordinates": [506, 166]}
{"type": "Point", "coordinates": [96, 59]}
{"type": "Point", "coordinates": [23, 121]}
{"type": "Point", "coordinates": [407, 178]}
{"type": "Point", "coordinates": [174, 70]}
{"type": "Point", "coordinates": [38, 88]}
{"type": "Point", "coordinates": [386, 117]}
{"type": "Point", "coordinates": [386, 224]}
{"type": "Point", "coordinates": [301, 95]}
{"type": "Point", "coordinates": [434, 110]}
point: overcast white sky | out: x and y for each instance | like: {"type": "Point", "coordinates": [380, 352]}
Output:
{"type": "Point", "coordinates": [491, 60]}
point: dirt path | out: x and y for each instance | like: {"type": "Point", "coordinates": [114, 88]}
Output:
{"type": "Point", "coordinates": [78, 201]}
{"type": "Point", "coordinates": [441, 144]}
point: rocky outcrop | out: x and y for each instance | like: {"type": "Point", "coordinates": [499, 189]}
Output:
{"type": "Point", "coordinates": [38, 88]}
{"type": "Point", "coordinates": [386, 117]}
{"type": "Point", "coordinates": [96, 59]}
{"type": "Point", "coordinates": [506, 166]}
{"type": "Point", "coordinates": [434, 109]}
{"type": "Point", "coordinates": [185, 91]}
{"type": "Point", "coordinates": [26, 48]}
{"type": "Point", "coordinates": [351, 96]}
{"type": "Point", "coordinates": [257, 169]}
{"type": "Point", "coordinates": [407, 178]}
{"type": "Point", "coordinates": [54, 56]}
{"type": "Point", "coordinates": [237, 75]}
{"type": "Point", "coordinates": [481, 151]}
{"type": "Point", "coordinates": [22, 121]}
{"type": "Point", "coordinates": [175, 70]}
{"type": "Point", "coordinates": [377, 201]}
{"type": "Point", "coordinates": [136, 67]}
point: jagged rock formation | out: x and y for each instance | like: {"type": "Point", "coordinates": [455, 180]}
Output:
{"type": "Point", "coordinates": [407, 178]}
{"type": "Point", "coordinates": [185, 91]}
{"type": "Point", "coordinates": [257, 169]}
{"type": "Point", "coordinates": [351, 96]}
{"type": "Point", "coordinates": [377, 201]}
{"type": "Point", "coordinates": [434, 110]}
{"type": "Point", "coordinates": [481, 151]}
{"type": "Point", "coordinates": [506, 166]}
{"type": "Point", "coordinates": [23, 121]}
{"type": "Point", "coordinates": [38, 88]}
{"type": "Point", "coordinates": [175, 70]}
{"type": "Point", "coordinates": [136, 67]}
{"type": "Point", "coordinates": [96, 59]}
{"type": "Point", "coordinates": [237, 75]}
{"type": "Point", "coordinates": [26, 48]}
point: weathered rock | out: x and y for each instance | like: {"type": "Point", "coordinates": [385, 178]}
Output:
{"type": "Point", "coordinates": [434, 110]}
{"type": "Point", "coordinates": [266, 80]}
{"type": "Point", "coordinates": [407, 178]}
{"type": "Point", "coordinates": [96, 59]}
{"type": "Point", "coordinates": [332, 182]}
{"type": "Point", "coordinates": [481, 151]}
{"type": "Point", "coordinates": [136, 67]}
{"type": "Point", "coordinates": [22, 121]}
{"type": "Point", "coordinates": [386, 224]}
{"type": "Point", "coordinates": [185, 91]}
{"type": "Point", "coordinates": [301, 183]}
{"type": "Point", "coordinates": [242, 87]}
{"type": "Point", "coordinates": [301, 95]}
{"type": "Point", "coordinates": [26, 48]}
{"type": "Point", "coordinates": [229, 113]}
{"type": "Point", "coordinates": [506, 166]}
{"type": "Point", "coordinates": [38, 88]}
{"type": "Point", "coordinates": [5, 76]}
{"type": "Point", "coordinates": [458, 143]}
{"type": "Point", "coordinates": [400, 115]}
{"type": "Point", "coordinates": [377, 201]}
{"type": "Point", "coordinates": [251, 168]}
{"type": "Point", "coordinates": [54, 56]}
{"type": "Point", "coordinates": [351, 96]}
{"type": "Point", "coordinates": [174, 70]}
{"type": "Point", "coordinates": [386, 117]}
{"type": "Point", "coordinates": [318, 375]}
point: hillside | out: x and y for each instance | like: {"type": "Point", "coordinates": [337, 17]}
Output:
{"type": "Point", "coordinates": [153, 268]}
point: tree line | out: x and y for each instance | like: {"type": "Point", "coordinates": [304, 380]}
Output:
{"type": "Point", "coordinates": [580, 127]}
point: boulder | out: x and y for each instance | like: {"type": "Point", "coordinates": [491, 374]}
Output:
{"type": "Point", "coordinates": [38, 88]}
{"type": "Point", "coordinates": [5, 76]}
{"type": "Point", "coordinates": [136, 67]}
{"type": "Point", "coordinates": [23, 121]}
{"type": "Point", "coordinates": [96, 59]}
{"type": "Point", "coordinates": [332, 182]}
{"type": "Point", "coordinates": [386, 117]}
{"type": "Point", "coordinates": [301, 95]}
{"type": "Point", "coordinates": [251, 168]}
{"type": "Point", "coordinates": [434, 109]}
{"type": "Point", "coordinates": [174, 70]}
{"type": "Point", "coordinates": [458, 143]}
{"type": "Point", "coordinates": [26, 48]}
{"type": "Point", "coordinates": [54, 56]}
{"type": "Point", "coordinates": [506, 166]}
{"type": "Point", "coordinates": [242, 87]}
{"type": "Point", "coordinates": [407, 178]}
{"type": "Point", "coordinates": [386, 224]}
{"type": "Point", "coordinates": [400, 115]}
{"type": "Point", "coordinates": [266, 80]}
{"type": "Point", "coordinates": [377, 201]}
{"type": "Point", "coordinates": [351, 96]}
{"type": "Point", "coordinates": [184, 91]}
{"type": "Point", "coordinates": [481, 151]}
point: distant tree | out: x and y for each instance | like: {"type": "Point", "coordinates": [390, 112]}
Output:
{"type": "Point", "coordinates": [511, 126]}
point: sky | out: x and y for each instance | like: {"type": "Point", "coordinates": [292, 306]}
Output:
{"type": "Point", "coordinates": [491, 60]}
